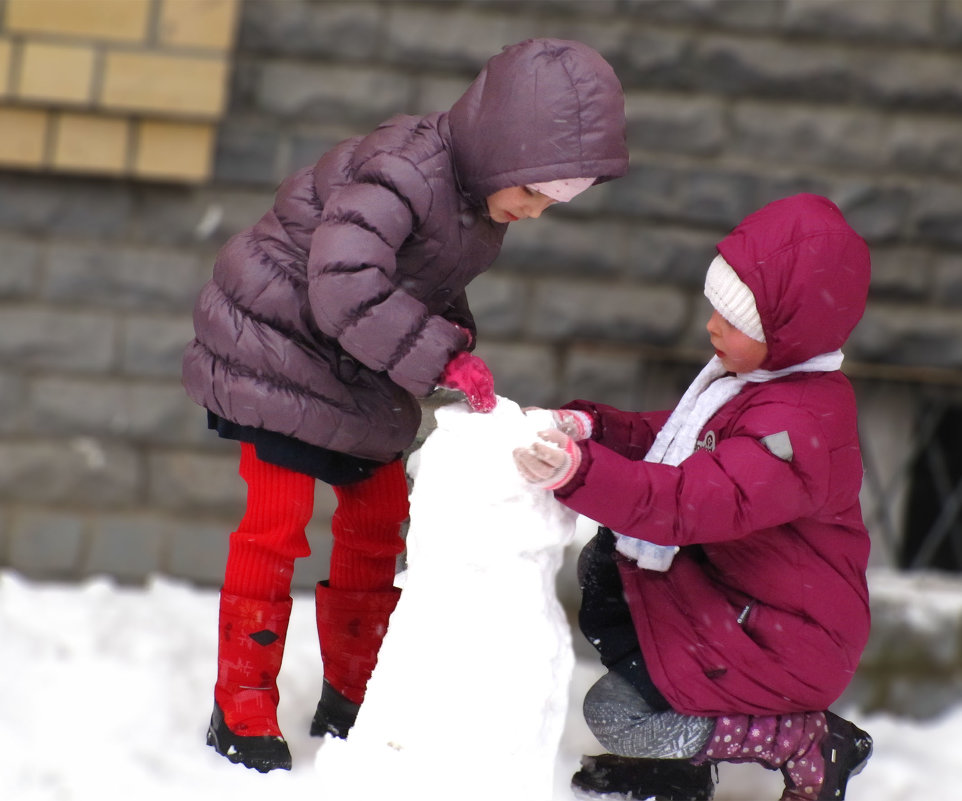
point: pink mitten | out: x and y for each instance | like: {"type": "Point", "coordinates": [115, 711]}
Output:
{"type": "Point", "coordinates": [549, 466]}
{"type": "Point", "coordinates": [470, 375]}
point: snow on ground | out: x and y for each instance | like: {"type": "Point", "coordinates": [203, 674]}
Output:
{"type": "Point", "coordinates": [110, 687]}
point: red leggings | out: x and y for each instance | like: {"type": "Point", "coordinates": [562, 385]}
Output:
{"type": "Point", "coordinates": [280, 503]}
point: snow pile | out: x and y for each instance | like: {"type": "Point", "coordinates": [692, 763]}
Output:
{"type": "Point", "coordinates": [484, 549]}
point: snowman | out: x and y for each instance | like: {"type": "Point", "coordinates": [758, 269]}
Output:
{"type": "Point", "coordinates": [470, 693]}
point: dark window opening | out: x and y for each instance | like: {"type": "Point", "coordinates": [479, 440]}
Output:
{"type": "Point", "coordinates": [933, 523]}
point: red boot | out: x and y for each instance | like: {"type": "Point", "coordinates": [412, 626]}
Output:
{"type": "Point", "coordinates": [244, 726]}
{"type": "Point", "coordinates": [350, 625]}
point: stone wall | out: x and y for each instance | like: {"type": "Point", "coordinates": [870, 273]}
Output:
{"type": "Point", "coordinates": [106, 467]}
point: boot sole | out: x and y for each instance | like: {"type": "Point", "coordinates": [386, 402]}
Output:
{"type": "Point", "coordinates": [263, 753]}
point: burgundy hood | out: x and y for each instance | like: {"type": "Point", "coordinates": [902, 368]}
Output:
{"type": "Point", "coordinates": [809, 272]}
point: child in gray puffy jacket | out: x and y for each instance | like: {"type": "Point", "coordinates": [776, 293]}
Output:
{"type": "Point", "coordinates": [326, 321]}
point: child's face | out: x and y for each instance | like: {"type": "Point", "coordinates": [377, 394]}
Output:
{"type": "Point", "coordinates": [517, 203]}
{"type": "Point", "coordinates": [739, 353]}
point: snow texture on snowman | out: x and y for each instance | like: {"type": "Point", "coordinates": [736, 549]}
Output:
{"type": "Point", "coordinates": [445, 715]}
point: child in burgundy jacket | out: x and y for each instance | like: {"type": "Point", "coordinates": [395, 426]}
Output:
{"type": "Point", "coordinates": [726, 589]}
{"type": "Point", "coordinates": [325, 322]}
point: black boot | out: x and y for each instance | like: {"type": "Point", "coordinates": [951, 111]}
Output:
{"type": "Point", "coordinates": [613, 776]}
{"type": "Point", "coordinates": [262, 753]}
{"type": "Point", "coordinates": [335, 714]}
{"type": "Point", "coordinates": [845, 750]}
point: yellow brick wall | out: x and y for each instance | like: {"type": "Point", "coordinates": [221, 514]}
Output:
{"type": "Point", "coordinates": [114, 87]}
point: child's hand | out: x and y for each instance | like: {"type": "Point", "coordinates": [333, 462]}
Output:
{"type": "Point", "coordinates": [549, 466]}
{"type": "Point", "coordinates": [576, 425]}
{"type": "Point", "coordinates": [468, 374]}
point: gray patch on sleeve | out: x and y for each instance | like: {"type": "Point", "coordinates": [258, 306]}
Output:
{"type": "Point", "coordinates": [780, 445]}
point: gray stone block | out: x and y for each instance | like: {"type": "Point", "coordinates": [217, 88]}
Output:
{"type": "Point", "coordinates": [925, 143]}
{"type": "Point", "coordinates": [38, 337]}
{"type": "Point", "coordinates": [449, 35]}
{"type": "Point", "coordinates": [196, 482]}
{"type": "Point", "coordinates": [143, 410]}
{"type": "Point", "coordinates": [689, 196]}
{"type": "Point", "coordinates": [20, 267]}
{"type": "Point", "coordinates": [128, 547]}
{"type": "Point", "coordinates": [667, 255]}
{"type": "Point", "coordinates": [655, 59]}
{"type": "Point", "coordinates": [198, 552]}
{"type": "Point", "coordinates": [527, 374]}
{"type": "Point", "coordinates": [901, 273]}
{"type": "Point", "coordinates": [80, 473]}
{"type": "Point", "coordinates": [898, 21]}
{"type": "Point", "coordinates": [554, 245]}
{"type": "Point", "coordinates": [773, 68]}
{"type": "Point", "coordinates": [947, 279]}
{"type": "Point", "coordinates": [45, 544]}
{"type": "Point", "coordinates": [603, 375]}
{"type": "Point", "coordinates": [497, 302]}
{"type": "Point", "coordinates": [123, 278]}
{"type": "Point", "coordinates": [675, 123]}
{"type": "Point", "coordinates": [896, 335]}
{"type": "Point", "coordinates": [938, 214]}
{"type": "Point", "coordinates": [346, 29]}
{"type": "Point", "coordinates": [12, 401]}
{"type": "Point", "coordinates": [822, 135]}
{"type": "Point", "coordinates": [317, 92]}
{"type": "Point", "coordinates": [59, 206]}
{"type": "Point", "coordinates": [610, 312]}
{"type": "Point", "coordinates": [878, 213]}
{"type": "Point", "coordinates": [154, 346]}
{"type": "Point", "coordinates": [250, 152]}
{"type": "Point", "coordinates": [732, 14]}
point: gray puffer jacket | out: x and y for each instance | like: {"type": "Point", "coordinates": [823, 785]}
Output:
{"type": "Point", "coordinates": [329, 317]}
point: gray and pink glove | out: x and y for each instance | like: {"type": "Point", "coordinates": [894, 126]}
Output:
{"type": "Point", "coordinates": [470, 375]}
{"type": "Point", "coordinates": [577, 425]}
{"type": "Point", "coordinates": [549, 466]}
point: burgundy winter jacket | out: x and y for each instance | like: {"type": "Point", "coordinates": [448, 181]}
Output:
{"type": "Point", "coordinates": [765, 608]}
{"type": "Point", "coordinates": [329, 317]}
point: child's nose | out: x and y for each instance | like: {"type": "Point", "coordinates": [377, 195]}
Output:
{"type": "Point", "coordinates": [537, 208]}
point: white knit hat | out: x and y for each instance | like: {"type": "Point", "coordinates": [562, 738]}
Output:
{"type": "Point", "coordinates": [732, 299]}
{"type": "Point", "coordinates": [563, 189]}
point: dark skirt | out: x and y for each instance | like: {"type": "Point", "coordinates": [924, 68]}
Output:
{"type": "Point", "coordinates": [331, 467]}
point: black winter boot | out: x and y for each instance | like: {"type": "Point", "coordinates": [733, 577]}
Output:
{"type": "Point", "coordinates": [845, 750]}
{"type": "Point", "coordinates": [610, 776]}
{"type": "Point", "coordinates": [263, 753]}
{"type": "Point", "coordinates": [335, 714]}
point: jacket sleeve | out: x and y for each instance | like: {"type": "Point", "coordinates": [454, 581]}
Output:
{"type": "Point", "coordinates": [741, 487]}
{"type": "Point", "coordinates": [460, 314]}
{"type": "Point", "coordinates": [354, 294]}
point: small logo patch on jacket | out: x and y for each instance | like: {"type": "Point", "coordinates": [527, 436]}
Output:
{"type": "Point", "coordinates": [780, 445]}
{"type": "Point", "coordinates": [708, 443]}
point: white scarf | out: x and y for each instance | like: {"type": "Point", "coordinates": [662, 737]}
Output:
{"type": "Point", "coordinates": [676, 441]}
